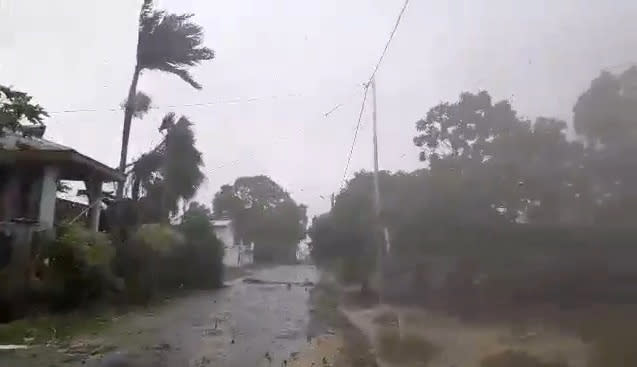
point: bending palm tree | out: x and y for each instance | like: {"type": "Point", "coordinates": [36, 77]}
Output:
{"type": "Point", "coordinates": [166, 42]}
{"type": "Point", "coordinates": [171, 172]}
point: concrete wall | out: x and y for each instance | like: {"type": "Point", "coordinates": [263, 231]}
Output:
{"type": "Point", "coordinates": [225, 235]}
{"type": "Point", "coordinates": [235, 254]}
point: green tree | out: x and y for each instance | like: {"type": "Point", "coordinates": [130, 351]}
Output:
{"type": "Point", "coordinates": [264, 214]}
{"type": "Point", "coordinates": [605, 115]}
{"type": "Point", "coordinates": [492, 164]}
{"type": "Point", "coordinates": [17, 108]}
{"type": "Point", "coordinates": [166, 42]}
{"type": "Point", "coordinates": [202, 258]}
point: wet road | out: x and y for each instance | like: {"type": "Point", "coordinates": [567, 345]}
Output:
{"type": "Point", "coordinates": [268, 319]}
{"type": "Point", "coordinates": [244, 324]}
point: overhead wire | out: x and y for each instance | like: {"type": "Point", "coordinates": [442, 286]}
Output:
{"type": "Point", "coordinates": [200, 104]}
{"type": "Point", "coordinates": [358, 125]}
{"type": "Point", "coordinates": [366, 88]}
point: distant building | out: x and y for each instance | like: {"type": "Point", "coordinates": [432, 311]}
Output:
{"type": "Point", "coordinates": [235, 252]}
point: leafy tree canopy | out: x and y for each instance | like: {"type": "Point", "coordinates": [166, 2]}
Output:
{"type": "Point", "coordinates": [263, 213]}
{"type": "Point", "coordinates": [17, 109]}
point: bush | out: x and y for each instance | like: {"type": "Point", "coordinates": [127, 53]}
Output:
{"type": "Point", "coordinates": [202, 255]}
{"type": "Point", "coordinates": [165, 258]}
{"type": "Point", "coordinates": [511, 358]}
{"type": "Point", "coordinates": [141, 260]}
{"type": "Point", "coordinates": [160, 239]}
{"type": "Point", "coordinates": [78, 267]}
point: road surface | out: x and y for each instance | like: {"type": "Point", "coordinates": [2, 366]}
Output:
{"type": "Point", "coordinates": [261, 323]}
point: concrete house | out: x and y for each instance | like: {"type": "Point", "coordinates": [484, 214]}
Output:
{"type": "Point", "coordinates": [30, 169]}
{"type": "Point", "coordinates": [235, 252]}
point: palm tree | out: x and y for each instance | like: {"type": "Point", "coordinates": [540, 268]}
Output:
{"type": "Point", "coordinates": [166, 42]}
{"type": "Point", "coordinates": [171, 172]}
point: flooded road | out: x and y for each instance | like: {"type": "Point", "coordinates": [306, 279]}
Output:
{"type": "Point", "coordinates": [262, 323]}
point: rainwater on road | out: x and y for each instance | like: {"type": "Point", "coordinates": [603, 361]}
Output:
{"type": "Point", "coordinates": [263, 322]}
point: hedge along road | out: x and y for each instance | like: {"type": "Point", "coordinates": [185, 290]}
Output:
{"type": "Point", "coordinates": [249, 323]}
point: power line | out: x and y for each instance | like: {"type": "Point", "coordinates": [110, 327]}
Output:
{"type": "Point", "coordinates": [360, 114]}
{"type": "Point", "coordinates": [358, 124]}
{"type": "Point", "coordinates": [201, 104]}
{"type": "Point", "coordinates": [391, 37]}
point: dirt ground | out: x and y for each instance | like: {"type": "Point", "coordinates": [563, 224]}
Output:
{"type": "Point", "coordinates": [465, 344]}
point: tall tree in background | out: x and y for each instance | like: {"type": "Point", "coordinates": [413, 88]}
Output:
{"type": "Point", "coordinates": [605, 115]}
{"type": "Point", "coordinates": [166, 42]}
{"type": "Point", "coordinates": [483, 155]}
{"type": "Point", "coordinates": [264, 214]}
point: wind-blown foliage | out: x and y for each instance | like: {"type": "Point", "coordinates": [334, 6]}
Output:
{"type": "Point", "coordinates": [166, 42]}
{"type": "Point", "coordinates": [171, 43]}
{"type": "Point", "coordinates": [171, 172]}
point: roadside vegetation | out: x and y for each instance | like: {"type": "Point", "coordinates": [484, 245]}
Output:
{"type": "Point", "coordinates": [409, 349]}
{"type": "Point", "coordinates": [327, 318]}
{"type": "Point", "coordinates": [153, 242]}
{"type": "Point", "coordinates": [509, 220]}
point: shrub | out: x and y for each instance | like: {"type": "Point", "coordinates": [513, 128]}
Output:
{"type": "Point", "coordinates": [141, 260]}
{"type": "Point", "coordinates": [164, 258]}
{"type": "Point", "coordinates": [512, 358]}
{"type": "Point", "coordinates": [79, 266]}
{"type": "Point", "coordinates": [161, 239]}
{"type": "Point", "coordinates": [203, 253]}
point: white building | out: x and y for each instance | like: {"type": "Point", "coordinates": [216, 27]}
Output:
{"type": "Point", "coordinates": [235, 253]}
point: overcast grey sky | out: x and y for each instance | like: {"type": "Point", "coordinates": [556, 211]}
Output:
{"type": "Point", "coordinates": [301, 58]}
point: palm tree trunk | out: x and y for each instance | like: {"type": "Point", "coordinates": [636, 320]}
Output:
{"type": "Point", "coordinates": [128, 119]}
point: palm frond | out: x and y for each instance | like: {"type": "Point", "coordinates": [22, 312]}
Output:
{"type": "Point", "coordinates": [167, 122]}
{"type": "Point", "coordinates": [171, 43]}
{"type": "Point", "coordinates": [182, 73]}
{"type": "Point", "coordinates": [148, 164]}
{"type": "Point", "coordinates": [183, 161]}
{"type": "Point", "coordinates": [147, 9]}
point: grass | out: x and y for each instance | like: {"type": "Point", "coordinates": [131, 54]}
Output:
{"type": "Point", "coordinates": [324, 299]}
{"type": "Point", "coordinates": [613, 336]}
{"type": "Point", "coordinates": [410, 349]}
{"type": "Point", "coordinates": [512, 358]}
{"type": "Point", "coordinates": [42, 329]}
{"type": "Point", "coordinates": [387, 318]}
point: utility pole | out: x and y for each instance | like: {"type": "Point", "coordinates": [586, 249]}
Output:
{"type": "Point", "coordinates": [383, 245]}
